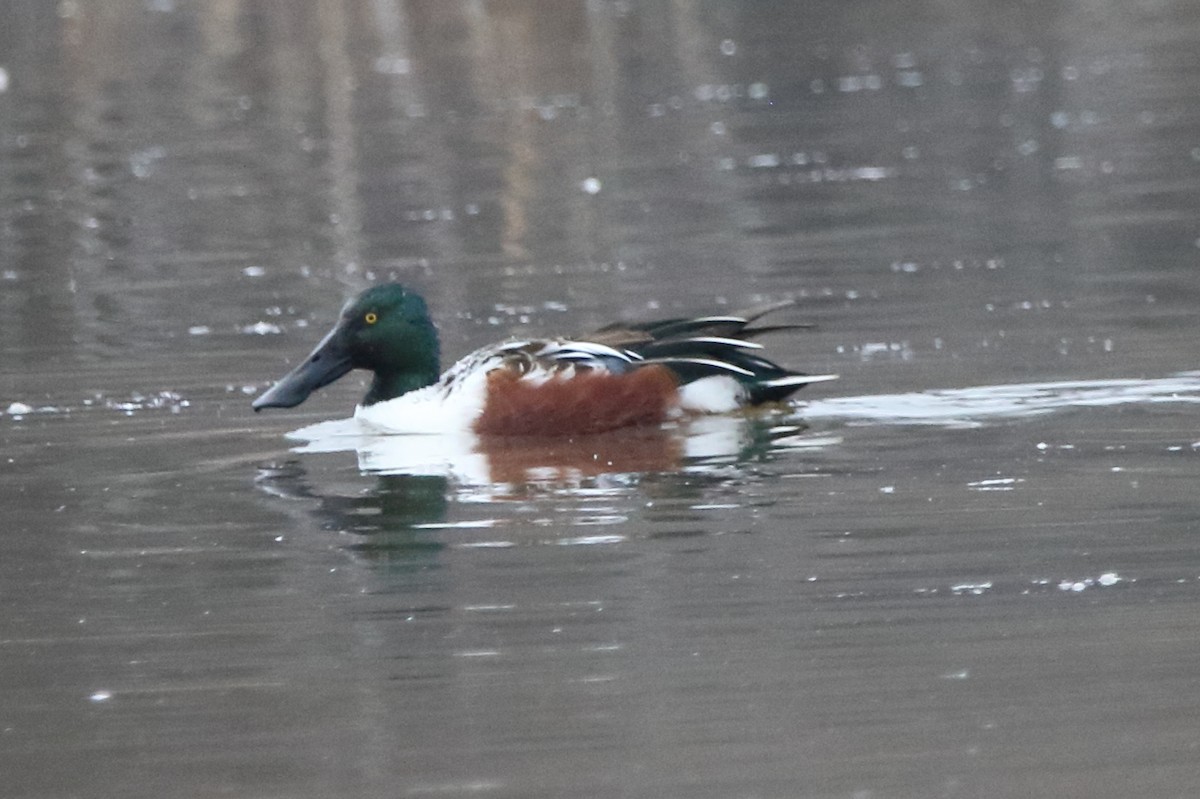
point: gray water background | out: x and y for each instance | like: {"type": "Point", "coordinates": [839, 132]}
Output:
{"type": "Point", "coordinates": [962, 196]}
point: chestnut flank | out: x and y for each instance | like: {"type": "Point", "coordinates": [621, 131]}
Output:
{"type": "Point", "coordinates": [589, 402]}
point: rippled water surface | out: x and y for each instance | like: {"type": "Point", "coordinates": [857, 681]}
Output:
{"type": "Point", "coordinates": [970, 567]}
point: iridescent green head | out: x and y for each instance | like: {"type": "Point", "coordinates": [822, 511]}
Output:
{"type": "Point", "coordinates": [386, 330]}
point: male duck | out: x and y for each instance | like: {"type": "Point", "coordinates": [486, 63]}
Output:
{"type": "Point", "coordinates": [618, 376]}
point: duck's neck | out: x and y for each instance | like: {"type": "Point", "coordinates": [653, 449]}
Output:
{"type": "Point", "coordinates": [388, 385]}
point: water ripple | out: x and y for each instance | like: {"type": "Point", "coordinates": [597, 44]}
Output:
{"type": "Point", "coordinates": [974, 407]}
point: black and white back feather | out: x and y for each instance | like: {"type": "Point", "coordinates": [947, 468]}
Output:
{"type": "Point", "coordinates": [719, 346]}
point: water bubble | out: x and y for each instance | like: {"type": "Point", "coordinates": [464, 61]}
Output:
{"type": "Point", "coordinates": [19, 409]}
{"type": "Point", "coordinates": [392, 65]}
{"type": "Point", "coordinates": [763, 161]}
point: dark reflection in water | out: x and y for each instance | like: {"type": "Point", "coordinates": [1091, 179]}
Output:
{"type": "Point", "coordinates": [386, 521]}
{"type": "Point", "coordinates": [965, 569]}
{"type": "Point", "coordinates": [395, 520]}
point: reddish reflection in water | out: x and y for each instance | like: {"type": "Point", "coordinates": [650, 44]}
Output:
{"type": "Point", "coordinates": [519, 459]}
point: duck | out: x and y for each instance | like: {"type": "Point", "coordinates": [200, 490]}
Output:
{"type": "Point", "coordinates": [621, 375]}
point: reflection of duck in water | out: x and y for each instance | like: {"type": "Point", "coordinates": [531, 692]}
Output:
{"type": "Point", "coordinates": [701, 444]}
{"type": "Point", "coordinates": [619, 376]}
{"type": "Point", "coordinates": [392, 524]}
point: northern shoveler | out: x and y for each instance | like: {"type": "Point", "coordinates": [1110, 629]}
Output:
{"type": "Point", "coordinates": [619, 376]}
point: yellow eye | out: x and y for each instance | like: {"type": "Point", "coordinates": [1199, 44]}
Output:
{"type": "Point", "coordinates": [371, 318]}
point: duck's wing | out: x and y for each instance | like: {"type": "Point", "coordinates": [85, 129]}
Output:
{"type": "Point", "coordinates": [558, 356]}
{"type": "Point", "coordinates": [540, 359]}
{"type": "Point", "coordinates": [719, 345]}
{"type": "Point", "coordinates": [737, 324]}
{"type": "Point", "coordinates": [690, 348]}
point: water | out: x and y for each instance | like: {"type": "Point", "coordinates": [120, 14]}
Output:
{"type": "Point", "coordinates": [967, 568]}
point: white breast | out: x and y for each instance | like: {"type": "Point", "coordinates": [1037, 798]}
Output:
{"type": "Point", "coordinates": [445, 407]}
{"type": "Point", "coordinates": [715, 394]}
